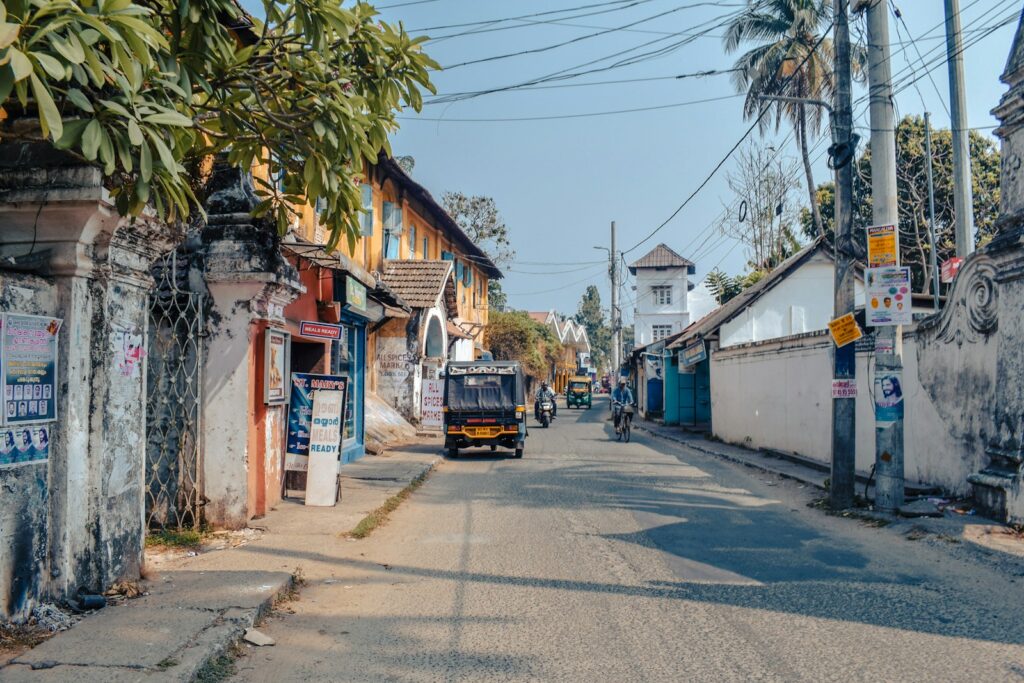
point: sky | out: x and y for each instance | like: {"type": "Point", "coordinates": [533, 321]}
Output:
{"type": "Point", "coordinates": [560, 179]}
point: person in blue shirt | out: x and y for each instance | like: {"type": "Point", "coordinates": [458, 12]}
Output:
{"type": "Point", "coordinates": [621, 396]}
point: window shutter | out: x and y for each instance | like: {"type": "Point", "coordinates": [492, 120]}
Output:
{"type": "Point", "coordinates": [367, 217]}
{"type": "Point", "coordinates": [447, 255]}
{"type": "Point", "coordinates": [467, 276]}
{"type": "Point", "coordinates": [412, 241]}
{"type": "Point", "coordinates": [426, 248]}
{"type": "Point", "coordinates": [393, 218]}
{"type": "Point", "coordinates": [458, 270]}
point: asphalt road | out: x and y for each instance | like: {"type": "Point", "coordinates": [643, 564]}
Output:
{"type": "Point", "coordinates": [591, 560]}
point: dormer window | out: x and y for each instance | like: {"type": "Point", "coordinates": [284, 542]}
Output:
{"type": "Point", "coordinates": [662, 295]}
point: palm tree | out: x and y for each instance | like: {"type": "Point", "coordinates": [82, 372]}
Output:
{"type": "Point", "coordinates": [792, 59]}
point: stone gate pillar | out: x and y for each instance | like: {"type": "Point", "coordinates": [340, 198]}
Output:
{"type": "Point", "coordinates": [250, 283]}
{"type": "Point", "coordinates": [57, 221]}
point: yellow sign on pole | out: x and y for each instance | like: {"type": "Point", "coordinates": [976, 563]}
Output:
{"type": "Point", "coordinates": [845, 330]}
{"type": "Point", "coordinates": [883, 249]}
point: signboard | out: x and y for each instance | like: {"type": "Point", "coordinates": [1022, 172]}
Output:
{"type": "Point", "coordinates": [309, 328]}
{"type": "Point", "coordinates": [24, 444]}
{"type": "Point", "coordinates": [887, 292]}
{"type": "Point", "coordinates": [888, 393]}
{"type": "Point", "coordinates": [300, 414]}
{"type": "Point", "coordinates": [950, 268]}
{"type": "Point", "coordinates": [324, 447]}
{"type": "Point", "coordinates": [844, 388]}
{"type": "Point", "coordinates": [882, 247]}
{"type": "Point", "coordinates": [432, 404]}
{"type": "Point", "coordinates": [354, 295]}
{"type": "Point", "coordinates": [29, 368]}
{"type": "Point", "coordinates": [844, 330]}
{"type": "Point", "coordinates": [276, 361]}
{"type": "Point", "coordinates": [695, 353]}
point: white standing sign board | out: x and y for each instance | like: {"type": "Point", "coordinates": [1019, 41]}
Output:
{"type": "Point", "coordinates": [431, 414]}
{"type": "Point", "coordinates": [324, 448]}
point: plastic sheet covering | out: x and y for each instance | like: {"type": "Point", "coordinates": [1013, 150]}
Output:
{"type": "Point", "coordinates": [482, 392]}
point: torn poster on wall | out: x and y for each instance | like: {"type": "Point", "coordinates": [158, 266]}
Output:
{"type": "Point", "coordinates": [128, 349]}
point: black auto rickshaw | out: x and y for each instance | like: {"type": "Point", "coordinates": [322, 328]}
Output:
{"type": "Point", "coordinates": [577, 394]}
{"type": "Point", "coordinates": [484, 405]}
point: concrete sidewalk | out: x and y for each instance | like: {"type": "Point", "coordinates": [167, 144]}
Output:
{"type": "Point", "coordinates": [198, 607]}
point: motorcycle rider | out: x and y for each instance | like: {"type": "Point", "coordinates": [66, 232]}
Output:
{"type": "Point", "coordinates": [545, 392]}
{"type": "Point", "coordinates": [621, 396]}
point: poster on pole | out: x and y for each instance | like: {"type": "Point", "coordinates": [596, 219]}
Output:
{"type": "Point", "coordinates": [324, 447]}
{"type": "Point", "coordinates": [883, 249]}
{"type": "Point", "coordinates": [432, 403]}
{"type": "Point", "coordinates": [844, 330]}
{"type": "Point", "coordinates": [300, 415]}
{"type": "Point", "coordinates": [888, 391]}
{"type": "Point", "coordinates": [887, 291]}
{"type": "Point", "coordinates": [28, 346]}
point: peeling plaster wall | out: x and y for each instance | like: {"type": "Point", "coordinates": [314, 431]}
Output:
{"type": "Point", "coordinates": [24, 490]}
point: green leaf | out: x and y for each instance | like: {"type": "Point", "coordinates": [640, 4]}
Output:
{"type": "Point", "coordinates": [72, 133]}
{"type": "Point", "coordinates": [79, 99]}
{"type": "Point", "coordinates": [91, 140]}
{"type": "Point", "coordinates": [71, 51]}
{"type": "Point", "coordinates": [51, 65]}
{"type": "Point", "coordinates": [169, 118]}
{"type": "Point", "coordinates": [49, 117]}
{"type": "Point", "coordinates": [21, 64]}
{"type": "Point", "coordinates": [134, 133]}
{"type": "Point", "coordinates": [146, 162]}
{"type": "Point", "coordinates": [8, 34]}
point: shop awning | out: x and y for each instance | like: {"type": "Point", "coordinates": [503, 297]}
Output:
{"type": "Point", "coordinates": [455, 332]}
{"type": "Point", "coordinates": [317, 254]}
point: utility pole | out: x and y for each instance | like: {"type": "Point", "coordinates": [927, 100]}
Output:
{"type": "Point", "coordinates": [844, 360]}
{"type": "Point", "coordinates": [963, 200]}
{"type": "Point", "coordinates": [613, 271]}
{"type": "Point", "coordinates": [933, 257]}
{"type": "Point", "coordinates": [885, 210]}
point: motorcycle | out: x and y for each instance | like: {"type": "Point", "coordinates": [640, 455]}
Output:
{"type": "Point", "coordinates": [624, 421]}
{"type": "Point", "coordinates": [545, 411]}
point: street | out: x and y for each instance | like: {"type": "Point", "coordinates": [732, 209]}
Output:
{"type": "Point", "coordinates": [595, 560]}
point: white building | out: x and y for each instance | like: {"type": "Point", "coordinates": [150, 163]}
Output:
{"type": "Point", "coordinates": [662, 284]}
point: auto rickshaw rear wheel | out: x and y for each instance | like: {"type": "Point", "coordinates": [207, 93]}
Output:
{"type": "Point", "coordinates": [453, 452]}
{"type": "Point", "coordinates": [519, 452]}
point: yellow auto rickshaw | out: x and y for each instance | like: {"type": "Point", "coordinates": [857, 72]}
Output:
{"type": "Point", "coordinates": [577, 393]}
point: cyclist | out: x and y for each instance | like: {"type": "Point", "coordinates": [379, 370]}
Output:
{"type": "Point", "coordinates": [621, 396]}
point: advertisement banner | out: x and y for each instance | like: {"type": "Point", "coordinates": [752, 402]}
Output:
{"type": "Point", "coordinates": [324, 447]}
{"type": "Point", "coordinates": [882, 249]}
{"type": "Point", "coordinates": [23, 445]}
{"type": "Point", "coordinates": [300, 414]}
{"type": "Point", "coordinates": [29, 374]}
{"type": "Point", "coordinates": [950, 268]}
{"type": "Point", "coordinates": [888, 392]}
{"type": "Point", "coordinates": [431, 414]}
{"type": "Point", "coordinates": [844, 388]}
{"type": "Point", "coordinates": [887, 291]}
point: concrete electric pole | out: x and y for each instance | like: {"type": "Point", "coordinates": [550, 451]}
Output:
{"type": "Point", "coordinates": [963, 199]}
{"type": "Point", "coordinates": [844, 360]}
{"type": "Point", "coordinates": [887, 385]}
{"type": "Point", "coordinates": [613, 272]}
{"type": "Point", "coordinates": [933, 263]}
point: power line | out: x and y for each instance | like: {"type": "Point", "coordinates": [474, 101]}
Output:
{"type": "Point", "coordinates": [521, 16]}
{"type": "Point", "coordinates": [581, 115]}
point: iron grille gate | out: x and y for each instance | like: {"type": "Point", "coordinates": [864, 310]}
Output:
{"type": "Point", "coordinates": [174, 491]}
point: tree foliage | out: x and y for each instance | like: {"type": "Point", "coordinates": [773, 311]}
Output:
{"type": "Point", "coordinates": [791, 58]}
{"type": "Point", "coordinates": [912, 189]}
{"type": "Point", "coordinates": [514, 335]}
{"type": "Point", "coordinates": [725, 287]}
{"type": "Point", "coordinates": [591, 316]}
{"type": "Point", "coordinates": [479, 218]}
{"type": "Point", "coordinates": [149, 90]}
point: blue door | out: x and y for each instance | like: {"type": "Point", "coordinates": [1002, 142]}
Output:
{"type": "Point", "coordinates": [671, 365]}
{"type": "Point", "coordinates": [703, 392]}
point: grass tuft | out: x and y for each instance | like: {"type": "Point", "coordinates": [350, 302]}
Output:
{"type": "Point", "coordinates": [175, 538]}
{"type": "Point", "coordinates": [381, 514]}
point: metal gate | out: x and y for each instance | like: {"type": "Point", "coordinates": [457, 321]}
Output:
{"type": "Point", "coordinates": [174, 486]}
